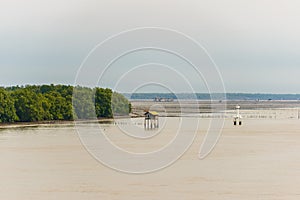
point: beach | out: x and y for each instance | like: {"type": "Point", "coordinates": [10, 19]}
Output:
{"type": "Point", "coordinates": [258, 160]}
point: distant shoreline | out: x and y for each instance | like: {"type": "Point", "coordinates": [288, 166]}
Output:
{"type": "Point", "coordinates": [213, 96]}
{"type": "Point", "coordinates": [49, 123]}
{"type": "Point", "coordinates": [33, 124]}
{"type": "Point", "coordinates": [173, 110]}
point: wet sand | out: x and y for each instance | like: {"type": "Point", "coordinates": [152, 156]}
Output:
{"type": "Point", "coordinates": [177, 108]}
{"type": "Point", "coordinates": [259, 160]}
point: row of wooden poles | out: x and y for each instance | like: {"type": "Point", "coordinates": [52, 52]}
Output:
{"type": "Point", "coordinates": [151, 123]}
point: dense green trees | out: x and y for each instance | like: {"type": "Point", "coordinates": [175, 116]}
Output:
{"type": "Point", "coordinates": [60, 106]}
{"type": "Point", "coordinates": [103, 102]}
{"type": "Point", "coordinates": [83, 103]}
{"type": "Point", "coordinates": [120, 105]}
{"type": "Point", "coordinates": [59, 102]}
{"type": "Point", "coordinates": [7, 108]}
{"type": "Point", "coordinates": [31, 106]}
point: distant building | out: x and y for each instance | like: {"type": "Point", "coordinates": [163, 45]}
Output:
{"type": "Point", "coordinates": [157, 99]}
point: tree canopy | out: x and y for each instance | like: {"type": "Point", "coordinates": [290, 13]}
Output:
{"type": "Point", "coordinates": [7, 108]}
{"type": "Point", "coordinates": [59, 102]}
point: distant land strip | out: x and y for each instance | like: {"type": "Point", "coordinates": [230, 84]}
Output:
{"type": "Point", "coordinates": [213, 96]}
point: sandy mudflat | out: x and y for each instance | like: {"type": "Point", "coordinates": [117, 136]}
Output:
{"type": "Point", "coordinates": [252, 109]}
{"type": "Point", "coordinates": [259, 160]}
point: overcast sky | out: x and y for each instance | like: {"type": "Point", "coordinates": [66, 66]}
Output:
{"type": "Point", "coordinates": [255, 43]}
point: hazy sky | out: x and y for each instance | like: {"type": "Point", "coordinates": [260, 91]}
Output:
{"type": "Point", "coordinates": [255, 43]}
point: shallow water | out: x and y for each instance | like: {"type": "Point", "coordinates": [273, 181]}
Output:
{"type": "Point", "coordinates": [259, 160]}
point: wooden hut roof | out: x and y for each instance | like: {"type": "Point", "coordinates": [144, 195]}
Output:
{"type": "Point", "coordinates": [152, 113]}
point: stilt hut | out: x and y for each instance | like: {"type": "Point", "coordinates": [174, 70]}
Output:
{"type": "Point", "coordinates": [151, 120]}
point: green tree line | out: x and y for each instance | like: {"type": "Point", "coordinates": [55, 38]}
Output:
{"type": "Point", "coordinates": [59, 102]}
